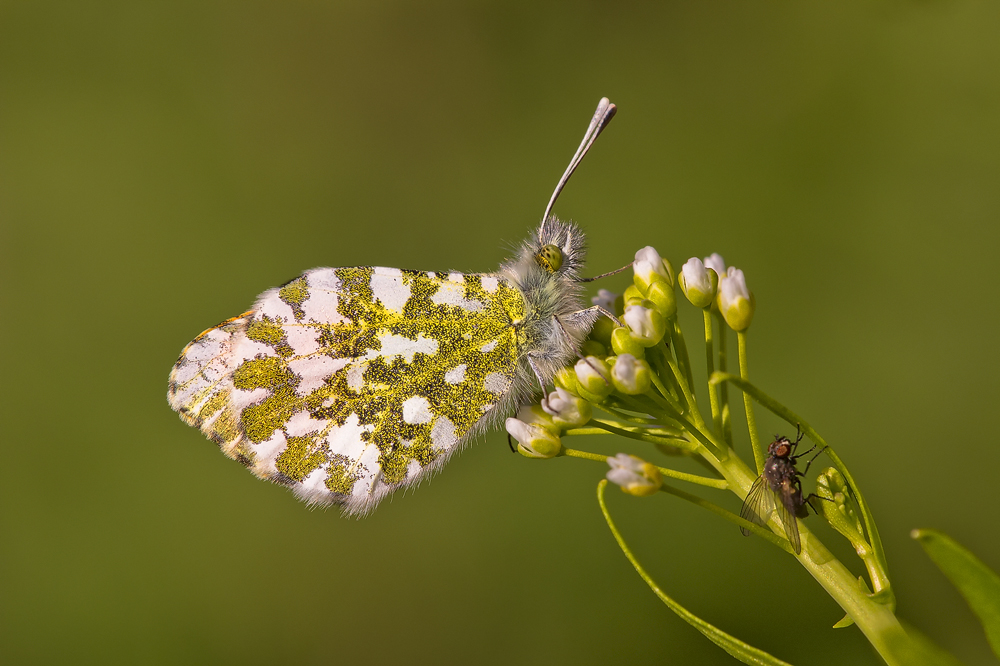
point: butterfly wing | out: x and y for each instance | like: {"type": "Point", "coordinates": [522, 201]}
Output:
{"type": "Point", "coordinates": [348, 383]}
{"type": "Point", "coordinates": [758, 505]}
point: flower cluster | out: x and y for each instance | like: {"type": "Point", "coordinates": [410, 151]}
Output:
{"type": "Point", "coordinates": [614, 360]}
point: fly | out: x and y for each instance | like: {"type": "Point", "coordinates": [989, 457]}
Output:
{"type": "Point", "coordinates": [779, 479]}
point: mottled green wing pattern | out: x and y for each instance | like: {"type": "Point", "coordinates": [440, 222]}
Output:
{"type": "Point", "coordinates": [348, 383]}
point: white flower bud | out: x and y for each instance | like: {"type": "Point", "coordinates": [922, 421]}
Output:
{"type": "Point", "coordinates": [649, 267]}
{"type": "Point", "coordinates": [593, 374]}
{"type": "Point", "coordinates": [568, 410]}
{"type": "Point", "coordinates": [716, 263]}
{"type": "Point", "coordinates": [533, 441]}
{"type": "Point", "coordinates": [634, 475]}
{"type": "Point", "coordinates": [630, 375]}
{"type": "Point", "coordinates": [606, 299]}
{"type": "Point", "coordinates": [735, 301]}
{"type": "Point", "coordinates": [536, 415]}
{"type": "Point", "coordinates": [698, 282]}
{"type": "Point", "coordinates": [646, 324]}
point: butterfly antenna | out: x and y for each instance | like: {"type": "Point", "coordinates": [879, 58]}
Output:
{"type": "Point", "coordinates": [608, 274]}
{"type": "Point", "coordinates": [602, 116]}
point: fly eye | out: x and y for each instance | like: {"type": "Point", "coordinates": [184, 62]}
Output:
{"type": "Point", "coordinates": [550, 258]}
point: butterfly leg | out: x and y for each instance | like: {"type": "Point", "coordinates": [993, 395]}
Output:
{"type": "Point", "coordinates": [541, 380]}
{"type": "Point", "coordinates": [580, 356]}
{"type": "Point", "coordinates": [588, 316]}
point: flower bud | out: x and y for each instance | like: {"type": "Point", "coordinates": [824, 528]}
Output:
{"type": "Point", "coordinates": [536, 415]}
{"type": "Point", "coordinates": [662, 296]}
{"type": "Point", "coordinates": [634, 475]}
{"type": "Point", "coordinates": [837, 506]}
{"type": "Point", "coordinates": [593, 348]}
{"type": "Point", "coordinates": [716, 263]}
{"type": "Point", "coordinates": [649, 267]}
{"type": "Point", "coordinates": [566, 378]}
{"type": "Point", "coordinates": [624, 342]}
{"type": "Point", "coordinates": [593, 376]}
{"type": "Point", "coordinates": [698, 282]}
{"type": "Point", "coordinates": [607, 300]}
{"type": "Point", "coordinates": [568, 410]}
{"type": "Point", "coordinates": [533, 441]}
{"type": "Point", "coordinates": [735, 301]}
{"type": "Point", "coordinates": [630, 375]}
{"type": "Point", "coordinates": [601, 331]}
{"type": "Point", "coordinates": [632, 296]}
{"type": "Point", "coordinates": [647, 325]}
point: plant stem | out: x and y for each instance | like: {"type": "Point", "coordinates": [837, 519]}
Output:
{"type": "Point", "coordinates": [876, 620]}
{"type": "Point", "coordinates": [718, 484]}
{"type": "Point", "coordinates": [759, 454]}
{"type": "Point", "coordinates": [713, 391]}
{"type": "Point", "coordinates": [727, 425]}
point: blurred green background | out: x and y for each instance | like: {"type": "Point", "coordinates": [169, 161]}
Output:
{"type": "Point", "coordinates": [162, 163]}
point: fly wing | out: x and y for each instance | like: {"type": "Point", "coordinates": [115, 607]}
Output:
{"type": "Point", "coordinates": [786, 512]}
{"type": "Point", "coordinates": [349, 383]}
{"type": "Point", "coordinates": [758, 505]}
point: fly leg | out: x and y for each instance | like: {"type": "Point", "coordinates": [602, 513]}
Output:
{"type": "Point", "coordinates": [810, 461]}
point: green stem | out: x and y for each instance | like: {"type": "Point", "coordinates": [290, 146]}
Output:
{"type": "Point", "coordinates": [713, 391]}
{"type": "Point", "coordinates": [879, 583]}
{"type": "Point", "coordinates": [875, 619]}
{"type": "Point", "coordinates": [727, 424]}
{"type": "Point", "coordinates": [641, 435]}
{"type": "Point", "coordinates": [737, 648]}
{"type": "Point", "coordinates": [680, 348]}
{"type": "Point", "coordinates": [718, 484]}
{"type": "Point", "coordinates": [762, 532]}
{"type": "Point", "coordinates": [759, 453]}
{"type": "Point", "coordinates": [697, 430]}
{"type": "Point", "coordinates": [686, 389]}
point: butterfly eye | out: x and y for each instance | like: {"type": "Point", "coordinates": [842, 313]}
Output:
{"type": "Point", "coordinates": [550, 258]}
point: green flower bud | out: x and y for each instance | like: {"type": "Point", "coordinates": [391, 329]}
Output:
{"type": "Point", "coordinates": [568, 410]}
{"type": "Point", "coordinates": [632, 296]}
{"type": "Point", "coordinates": [593, 377]}
{"type": "Point", "coordinates": [634, 475]}
{"type": "Point", "coordinates": [566, 378]}
{"type": "Point", "coordinates": [698, 283]}
{"type": "Point", "coordinates": [630, 375]}
{"type": "Point", "coordinates": [662, 296]}
{"type": "Point", "coordinates": [736, 303]}
{"type": "Point", "coordinates": [593, 348]}
{"type": "Point", "coordinates": [838, 508]}
{"type": "Point", "coordinates": [646, 324]}
{"type": "Point", "coordinates": [601, 332]}
{"type": "Point", "coordinates": [533, 441]}
{"type": "Point", "coordinates": [624, 342]}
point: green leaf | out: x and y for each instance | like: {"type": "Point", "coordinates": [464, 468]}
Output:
{"type": "Point", "coordinates": [975, 581]}
{"type": "Point", "coordinates": [734, 646]}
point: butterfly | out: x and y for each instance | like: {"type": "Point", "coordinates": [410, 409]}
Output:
{"type": "Point", "coordinates": [346, 384]}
